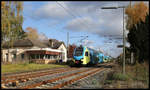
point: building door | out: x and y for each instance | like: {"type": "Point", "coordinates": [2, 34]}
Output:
{"type": "Point", "coordinates": [63, 56]}
{"type": "Point", "coordinates": [6, 57]}
{"type": "Point", "coordinates": [87, 57]}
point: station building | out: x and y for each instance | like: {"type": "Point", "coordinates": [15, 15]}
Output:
{"type": "Point", "coordinates": [35, 51]}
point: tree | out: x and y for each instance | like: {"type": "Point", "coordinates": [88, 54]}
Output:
{"type": "Point", "coordinates": [32, 33]}
{"type": "Point", "coordinates": [12, 20]}
{"type": "Point", "coordinates": [138, 37]}
{"type": "Point", "coordinates": [136, 13]}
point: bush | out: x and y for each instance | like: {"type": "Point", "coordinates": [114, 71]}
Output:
{"type": "Point", "coordinates": [120, 76]}
{"type": "Point", "coordinates": [108, 81]}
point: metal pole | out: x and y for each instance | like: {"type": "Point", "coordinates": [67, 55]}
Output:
{"type": "Point", "coordinates": [67, 43]}
{"type": "Point", "coordinates": [130, 4]}
{"type": "Point", "coordinates": [123, 45]}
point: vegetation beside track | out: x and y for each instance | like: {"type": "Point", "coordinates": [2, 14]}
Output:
{"type": "Point", "coordinates": [137, 76]}
{"type": "Point", "coordinates": [12, 68]}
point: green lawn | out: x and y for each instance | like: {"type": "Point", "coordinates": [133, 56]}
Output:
{"type": "Point", "coordinates": [10, 68]}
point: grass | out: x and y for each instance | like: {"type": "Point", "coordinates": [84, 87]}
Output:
{"type": "Point", "coordinates": [120, 76]}
{"type": "Point", "coordinates": [108, 81]}
{"type": "Point", "coordinates": [138, 73]}
{"type": "Point", "coordinates": [11, 68]}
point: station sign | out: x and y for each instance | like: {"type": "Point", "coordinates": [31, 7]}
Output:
{"type": "Point", "coordinates": [120, 46]}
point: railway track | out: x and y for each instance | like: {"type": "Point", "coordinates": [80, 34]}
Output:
{"type": "Point", "coordinates": [25, 74]}
{"type": "Point", "coordinates": [31, 75]}
{"type": "Point", "coordinates": [55, 79]}
{"type": "Point", "coordinates": [75, 79]}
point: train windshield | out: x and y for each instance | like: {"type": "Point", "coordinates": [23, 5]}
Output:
{"type": "Point", "coordinates": [79, 51]}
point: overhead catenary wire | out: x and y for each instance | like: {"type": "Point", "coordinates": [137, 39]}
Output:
{"type": "Point", "coordinates": [74, 17]}
{"type": "Point", "coordinates": [71, 14]}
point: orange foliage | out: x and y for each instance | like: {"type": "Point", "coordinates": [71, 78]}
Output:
{"type": "Point", "coordinates": [3, 4]}
{"type": "Point", "coordinates": [32, 33]}
{"type": "Point", "coordinates": [136, 13]}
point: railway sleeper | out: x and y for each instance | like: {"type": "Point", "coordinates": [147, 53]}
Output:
{"type": "Point", "coordinates": [32, 76]}
{"type": "Point", "coordinates": [15, 83]}
{"type": "Point", "coordinates": [53, 80]}
{"type": "Point", "coordinates": [73, 80]}
{"type": "Point", "coordinates": [21, 76]}
{"type": "Point", "coordinates": [3, 86]}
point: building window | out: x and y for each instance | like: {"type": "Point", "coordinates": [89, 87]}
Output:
{"type": "Point", "coordinates": [54, 56]}
{"type": "Point", "coordinates": [51, 57]}
{"type": "Point", "coordinates": [6, 56]}
{"type": "Point", "coordinates": [41, 56]}
{"type": "Point", "coordinates": [32, 56]}
{"type": "Point", "coordinates": [37, 56]}
{"type": "Point", "coordinates": [14, 56]}
{"type": "Point", "coordinates": [86, 53]}
{"type": "Point", "coordinates": [47, 56]}
{"type": "Point", "coordinates": [22, 56]}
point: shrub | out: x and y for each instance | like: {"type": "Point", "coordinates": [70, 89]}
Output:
{"type": "Point", "coordinates": [120, 76]}
{"type": "Point", "coordinates": [108, 81]}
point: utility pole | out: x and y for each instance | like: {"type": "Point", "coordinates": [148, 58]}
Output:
{"type": "Point", "coordinates": [123, 66]}
{"type": "Point", "coordinates": [130, 4]}
{"type": "Point", "coordinates": [132, 58]}
{"type": "Point", "coordinates": [123, 45]}
{"type": "Point", "coordinates": [67, 44]}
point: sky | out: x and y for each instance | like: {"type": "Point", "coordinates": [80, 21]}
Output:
{"type": "Point", "coordinates": [80, 19]}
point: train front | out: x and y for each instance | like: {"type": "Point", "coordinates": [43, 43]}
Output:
{"type": "Point", "coordinates": [78, 55]}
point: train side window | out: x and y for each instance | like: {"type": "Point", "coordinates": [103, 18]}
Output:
{"type": "Point", "coordinates": [86, 53]}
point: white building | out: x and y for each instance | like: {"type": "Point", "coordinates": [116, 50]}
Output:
{"type": "Point", "coordinates": [35, 51]}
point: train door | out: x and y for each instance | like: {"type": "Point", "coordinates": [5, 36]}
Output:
{"type": "Point", "coordinates": [87, 57]}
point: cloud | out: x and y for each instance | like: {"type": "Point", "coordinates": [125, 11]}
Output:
{"type": "Point", "coordinates": [89, 17]}
{"type": "Point", "coordinates": [50, 10]}
{"type": "Point", "coordinates": [104, 25]}
{"type": "Point", "coordinates": [82, 24]}
{"type": "Point", "coordinates": [87, 42]}
{"type": "Point", "coordinates": [110, 49]}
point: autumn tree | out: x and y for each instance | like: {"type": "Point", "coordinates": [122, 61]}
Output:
{"type": "Point", "coordinates": [11, 21]}
{"type": "Point", "coordinates": [138, 37]}
{"type": "Point", "coordinates": [138, 25]}
{"type": "Point", "coordinates": [33, 34]}
{"type": "Point", "coordinates": [136, 13]}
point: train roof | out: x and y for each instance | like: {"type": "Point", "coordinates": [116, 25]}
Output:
{"type": "Point", "coordinates": [90, 49]}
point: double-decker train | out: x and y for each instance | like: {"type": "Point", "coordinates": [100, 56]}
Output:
{"type": "Point", "coordinates": [86, 56]}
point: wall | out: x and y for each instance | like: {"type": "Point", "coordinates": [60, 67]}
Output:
{"type": "Point", "coordinates": [18, 51]}
{"type": "Point", "coordinates": [63, 49]}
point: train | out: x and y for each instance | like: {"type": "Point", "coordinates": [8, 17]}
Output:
{"type": "Point", "coordinates": [83, 55]}
{"type": "Point", "coordinates": [101, 57]}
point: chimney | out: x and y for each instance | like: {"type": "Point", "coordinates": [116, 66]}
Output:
{"type": "Point", "coordinates": [51, 43]}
